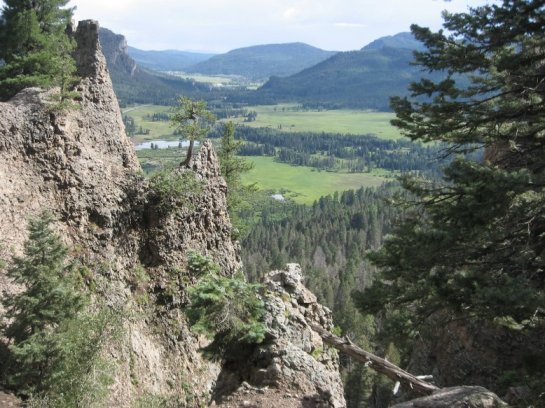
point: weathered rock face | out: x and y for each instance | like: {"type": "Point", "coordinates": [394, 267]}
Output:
{"type": "Point", "coordinates": [115, 49]}
{"type": "Point", "coordinates": [80, 166]}
{"type": "Point", "coordinates": [201, 225]}
{"type": "Point", "coordinates": [293, 367]}
{"type": "Point", "coordinates": [457, 397]}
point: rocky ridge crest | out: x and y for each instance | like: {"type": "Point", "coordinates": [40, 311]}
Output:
{"type": "Point", "coordinates": [80, 166]}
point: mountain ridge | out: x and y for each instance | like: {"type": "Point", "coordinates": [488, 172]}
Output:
{"type": "Point", "coordinates": [263, 61]}
{"type": "Point", "coordinates": [364, 78]}
{"type": "Point", "coordinates": [135, 84]}
{"type": "Point", "coordinates": [167, 60]}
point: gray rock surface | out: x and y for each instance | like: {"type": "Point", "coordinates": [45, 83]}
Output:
{"type": "Point", "coordinates": [293, 367]}
{"type": "Point", "coordinates": [80, 166]}
{"type": "Point", "coordinates": [115, 49]}
{"type": "Point", "coordinates": [457, 397]}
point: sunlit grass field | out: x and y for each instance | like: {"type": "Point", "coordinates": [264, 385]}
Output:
{"type": "Point", "coordinates": [281, 117]}
{"type": "Point", "coordinates": [355, 122]}
{"type": "Point", "coordinates": [229, 81]}
{"type": "Point", "coordinates": [304, 184]}
{"type": "Point", "coordinates": [158, 130]}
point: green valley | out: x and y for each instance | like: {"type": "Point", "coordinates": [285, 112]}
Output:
{"type": "Point", "coordinates": [294, 118]}
{"type": "Point", "coordinates": [304, 185]}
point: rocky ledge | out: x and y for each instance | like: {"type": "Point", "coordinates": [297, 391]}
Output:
{"type": "Point", "coordinates": [293, 367]}
{"type": "Point", "coordinates": [457, 397]}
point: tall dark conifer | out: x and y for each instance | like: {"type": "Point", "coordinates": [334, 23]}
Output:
{"type": "Point", "coordinates": [35, 315]}
{"type": "Point", "coordinates": [232, 168]}
{"type": "Point", "coordinates": [475, 244]}
{"type": "Point", "coordinates": [35, 46]}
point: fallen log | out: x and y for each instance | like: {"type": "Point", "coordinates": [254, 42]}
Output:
{"type": "Point", "coordinates": [378, 364]}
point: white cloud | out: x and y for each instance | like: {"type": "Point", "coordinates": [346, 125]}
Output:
{"type": "Point", "coordinates": [290, 14]}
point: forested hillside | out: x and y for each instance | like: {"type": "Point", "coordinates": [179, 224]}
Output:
{"type": "Point", "coordinates": [400, 40]}
{"type": "Point", "coordinates": [363, 79]}
{"type": "Point", "coordinates": [262, 61]}
{"type": "Point", "coordinates": [330, 240]}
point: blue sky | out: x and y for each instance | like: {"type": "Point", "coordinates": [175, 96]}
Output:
{"type": "Point", "coordinates": [222, 25]}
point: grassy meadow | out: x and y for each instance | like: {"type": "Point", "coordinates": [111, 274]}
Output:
{"type": "Point", "coordinates": [304, 185]}
{"type": "Point", "coordinates": [158, 130]}
{"type": "Point", "coordinates": [283, 117]}
{"type": "Point", "coordinates": [355, 122]}
{"type": "Point", "coordinates": [228, 81]}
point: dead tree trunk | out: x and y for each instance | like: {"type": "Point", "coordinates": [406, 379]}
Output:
{"type": "Point", "coordinates": [378, 364]}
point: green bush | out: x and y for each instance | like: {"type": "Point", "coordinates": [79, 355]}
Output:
{"type": "Point", "coordinates": [173, 189]}
{"type": "Point", "coordinates": [226, 309]}
{"type": "Point", "coordinates": [199, 265]}
{"type": "Point", "coordinates": [81, 377]}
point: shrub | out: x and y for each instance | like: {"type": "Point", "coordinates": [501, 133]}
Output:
{"type": "Point", "coordinates": [227, 310]}
{"type": "Point", "coordinates": [173, 188]}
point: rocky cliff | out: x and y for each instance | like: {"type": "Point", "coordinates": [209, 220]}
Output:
{"type": "Point", "coordinates": [134, 84]}
{"type": "Point", "coordinates": [115, 49]}
{"type": "Point", "coordinates": [80, 166]}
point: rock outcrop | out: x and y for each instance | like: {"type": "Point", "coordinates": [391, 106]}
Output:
{"type": "Point", "coordinates": [80, 166]}
{"type": "Point", "coordinates": [457, 397]}
{"type": "Point", "coordinates": [293, 367]}
{"type": "Point", "coordinates": [8, 400]}
{"type": "Point", "coordinates": [115, 49]}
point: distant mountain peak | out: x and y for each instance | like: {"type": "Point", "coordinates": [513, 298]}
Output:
{"type": "Point", "coordinates": [167, 60]}
{"type": "Point", "coordinates": [404, 40]}
{"type": "Point", "coordinates": [263, 61]}
{"type": "Point", "coordinates": [365, 78]}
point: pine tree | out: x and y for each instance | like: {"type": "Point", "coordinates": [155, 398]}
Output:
{"type": "Point", "coordinates": [474, 244]}
{"type": "Point", "coordinates": [193, 120]}
{"type": "Point", "coordinates": [35, 46]}
{"type": "Point", "coordinates": [225, 309]}
{"type": "Point", "coordinates": [232, 167]}
{"type": "Point", "coordinates": [48, 301]}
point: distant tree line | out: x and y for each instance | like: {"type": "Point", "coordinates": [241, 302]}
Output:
{"type": "Point", "coordinates": [157, 117]}
{"type": "Point", "coordinates": [132, 129]}
{"type": "Point", "coordinates": [335, 151]}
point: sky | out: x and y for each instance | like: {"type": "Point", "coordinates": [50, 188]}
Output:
{"type": "Point", "coordinates": [221, 25]}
